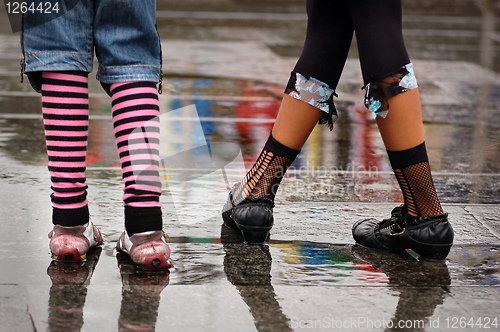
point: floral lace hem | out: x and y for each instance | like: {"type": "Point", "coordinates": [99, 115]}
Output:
{"type": "Point", "coordinates": [376, 92]}
{"type": "Point", "coordinates": [315, 93]}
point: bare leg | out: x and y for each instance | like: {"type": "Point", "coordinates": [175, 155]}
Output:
{"type": "Point", "coordinates": [402, 129]}
{"type": "Point", "coordinates": [295, 122]}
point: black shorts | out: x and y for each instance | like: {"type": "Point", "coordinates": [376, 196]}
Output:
{"type": "Point", "coordinates": [384, 60]}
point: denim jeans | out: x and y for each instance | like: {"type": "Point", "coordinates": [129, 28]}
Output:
{"type": "Point", "coordinates": [122, 33]}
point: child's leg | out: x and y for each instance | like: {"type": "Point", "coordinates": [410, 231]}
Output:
{"type": "Point", "coordinates": [308, 98]}
{"type": "Point", "coordinates": [64, 62]}
{"type": "Point", "coordinates": [310, 91]}
{"type": "Point", "coordinates": [328, 39]}
{"type": "Point", "coordinates": [129, 57]}
{"type": "Point", "coordinates": [137, 130]}
{"type": "Point", "coordinates": [66, 116]}
{"type": "Point", "coordinates": [402, 130]}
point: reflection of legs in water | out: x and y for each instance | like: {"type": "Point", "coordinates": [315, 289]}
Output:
{"type": "Point", "coordinates": [69, 291]}
{"type": "Point", "coordinates": [417, 304]}
{"type": "Point", "coordinates": [422, 286]}
{"type": "Point", "coordinates": [248, 268]}
{"type": "Point", "coordinates": [140, 295]}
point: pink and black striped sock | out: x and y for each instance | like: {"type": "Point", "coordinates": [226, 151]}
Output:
{"type": "Point", "coordinates": [65, 111]}
{"type": "Point", "coordinates": [137, 130]}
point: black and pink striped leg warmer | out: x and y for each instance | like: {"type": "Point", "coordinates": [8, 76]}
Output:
{"type": "Point", "coordinates": [136, 122]}
{"type": "Point", "coordinates": [65, 111]}
{"type": "Point", "coordinates": [137, 130]}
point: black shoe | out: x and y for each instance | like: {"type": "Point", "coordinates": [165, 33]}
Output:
{"type": "Point", "coordinates": [430, 237]}
{"type": "Point", "coordinates": [252, 216]}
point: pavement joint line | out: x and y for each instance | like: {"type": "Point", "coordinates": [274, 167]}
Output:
{"type": "Point", "coordinates": [485, 224]}
{"type": "Point", "coordinates": [442, 33]}
{"type": "Point", "coordinates": [303, 17]}
{"type": "Point", "coordinates": [325, 285]}
{"type": "Point", "coordinates": [289, 172]}
{"type": "Point", "coordinates": [444, 19]}
{"type": "Point", "coordinates": [391, 173]}
{"type": "Point", "coordinates": [217, 119]}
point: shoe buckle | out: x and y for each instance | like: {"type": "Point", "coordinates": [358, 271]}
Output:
{"type": "Point", "coordinates": [396, 227]}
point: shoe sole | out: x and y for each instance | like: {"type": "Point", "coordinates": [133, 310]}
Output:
{"type": "Point", "coordinates": [433, 253]}
{"type": "Point", "coordinates": [254, 235]}
{"type": "Point", "coordinates": [69, 255]}
{"type": "Point", "coordinates": [251, 234]}
{"type": "Point", "coordinates": [156, 262]}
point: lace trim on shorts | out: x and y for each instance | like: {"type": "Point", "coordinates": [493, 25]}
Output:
{"type": "Point", "coordinates": [315, 93]}
{"type": "Point", "coordinates": [400, 81]}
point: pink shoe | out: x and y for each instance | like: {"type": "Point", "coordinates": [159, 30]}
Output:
{"type": "Point", "coordinates": [71, 244]}
{"type": "Point", "coordinates": [148, 250]}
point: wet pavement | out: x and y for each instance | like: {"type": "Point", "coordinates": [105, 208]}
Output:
{"type": "Point", "coordinates": [225, 65]}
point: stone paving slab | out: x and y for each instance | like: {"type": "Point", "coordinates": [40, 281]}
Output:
{"type": "Point", "coordinates": [14, 311]}
{"type": "Point", "coordinates": [200, 295]}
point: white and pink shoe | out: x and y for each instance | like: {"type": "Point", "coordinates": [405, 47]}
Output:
{"type": "Point", "coordinates": [149, 250]}
{"type": "Point", "coordinates": [71, 244]}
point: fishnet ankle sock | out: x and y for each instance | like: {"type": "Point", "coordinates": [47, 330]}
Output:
{"type": "Point", "coordinates": [413, 173]}
{"type": "Point", "coordinates": [263, 179]}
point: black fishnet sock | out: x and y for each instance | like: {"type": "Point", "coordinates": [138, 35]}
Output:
{"type": "Point", "coordinates": [263, 179]}
{"type": "Point", "coordinates": [413, 173]}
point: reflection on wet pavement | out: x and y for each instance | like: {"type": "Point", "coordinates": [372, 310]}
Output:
{"type": "Point", "coordinates": [69, 291]}
{"type": "Point", "coordinates": [421, 287]}
{"type": "Point", "coordinates": [203, 135]}
{"type": "Point", "coordinates": [325, 264]}
{"type": "Point", "coordinates": [248, 268]}
{"type": "Point", "coordinates": [420, 290]}
{"type": "Point", "coordinates": [259, 272]}
{"type": "Point", "coordinates": [255, 271]}
{"type": "Point", "coordinates": [140, 295]}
